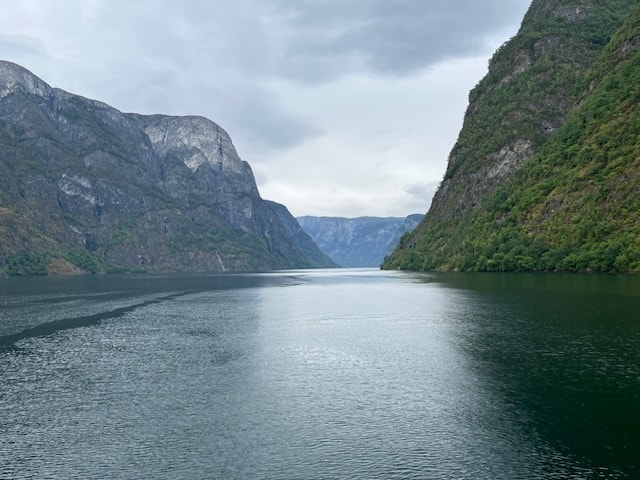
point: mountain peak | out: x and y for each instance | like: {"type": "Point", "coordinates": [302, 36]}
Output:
{"type": "Point", "coordinates": [198, 139]}
{"type": "Point", "coordinates": [14, 77]}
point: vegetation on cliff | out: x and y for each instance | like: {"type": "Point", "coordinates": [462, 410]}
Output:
{"type": "Point", "coordinates": [86, 188]}
{"type": "Point", "coordinates": [546, 173]}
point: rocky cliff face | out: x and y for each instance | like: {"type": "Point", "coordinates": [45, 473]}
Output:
{"type": "Point", "coordinates": [525, 97]}
{"type": "Point", "coordinates": [301, 238]}
{"type": "Point", "coordinates": [84, 187]}
{"type": "Point", "coordinates": [527, 168]}
{"type": "Point", "coordinates": [358, 242]}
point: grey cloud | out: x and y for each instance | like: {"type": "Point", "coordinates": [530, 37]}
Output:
{"type": "Point", "coordinates": [263, 125]}
{"type": "Point", "coordinates": [212, 58]}
{"type": "Point", "coordinates": [21, 46]}
{"type": "Point", "coordinates": [386, 36]}
{"type": "Point", "coordinates": [216, 58]}
{"type": "Point", "coordinates": [421, 191]}
{"type": "Point", "coordinates": [264, 71]}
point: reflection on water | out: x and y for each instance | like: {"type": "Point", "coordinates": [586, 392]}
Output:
{"type": "Point", "coordinates": [343, 374]}
{"type": "Point", "coordinates": [564, 350]}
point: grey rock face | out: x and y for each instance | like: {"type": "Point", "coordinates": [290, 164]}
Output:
{"type": "Point", "coordinates": [17, 78]}
{"type": "Point", "coordinates": [301, 238]}
{"type": "Point", "coordinates": [105, 190]}
{"type": "Point", "coordinates": [358, 242]}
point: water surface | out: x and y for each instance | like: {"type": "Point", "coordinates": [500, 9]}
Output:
{"type": "Point", "coordinates": [320, 374]}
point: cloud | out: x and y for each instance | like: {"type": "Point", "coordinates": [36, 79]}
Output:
{"type": "Point", "coordinates": [380, 136]}
{"type": "Point", "coordinates": [421, 191]}
{"type": "Point", "coordinates": [267, 126]}
{"type": "Point", "coordinates": [390, 37]}
{"type": "Point", "coordinates": [21, 46]}
{"type": "Point", "coordinates": [340, 107]}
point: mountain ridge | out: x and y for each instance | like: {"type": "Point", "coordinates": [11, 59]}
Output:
{"type": "Point", "coordinates": [360, 241]}
{"type": "Point", "coordinates": [87, 188]}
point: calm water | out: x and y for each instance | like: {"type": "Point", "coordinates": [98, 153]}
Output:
{"type": "Point", "coordinates": [320, 374]}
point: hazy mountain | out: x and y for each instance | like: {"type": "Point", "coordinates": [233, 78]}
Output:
{"type": "Point", "coordinates": [86, 188]}
{"type": "Point", "coordinates": [358, 242]}
{"type": "Point", "coordinates": [545, 174]}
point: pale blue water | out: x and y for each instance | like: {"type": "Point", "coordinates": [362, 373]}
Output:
{"type": "Point", "coordinates": [320, 374]}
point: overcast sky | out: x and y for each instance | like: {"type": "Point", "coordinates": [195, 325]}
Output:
{"type": "Point", "coordinates": [341, 107]}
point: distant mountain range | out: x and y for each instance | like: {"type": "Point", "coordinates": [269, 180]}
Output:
{"type": "Point", "coordinates": [87, 188]}
{"type": "Point", "coordinates": [545, 174]}
{"type": "Point", "coordinates": [358, 242]}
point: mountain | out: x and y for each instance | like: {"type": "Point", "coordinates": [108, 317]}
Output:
{"type": "Point", "coordinates": [545, 174]}
{"type": "Point", "coordinates": [301, 239]}
{"type": "Point", "coordinates": [357, 242]}
{"type": "Point", "coordinates": [87, 188]}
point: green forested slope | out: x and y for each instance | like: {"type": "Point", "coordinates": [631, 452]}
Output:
{"type": "Point", "coordinates": [569, 198]}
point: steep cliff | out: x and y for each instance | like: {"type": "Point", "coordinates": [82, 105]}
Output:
{"type": "Point", "coordinates": [86, 188]}
{"type": "Point", "coordinates": [544, 175]}
{"type": "Point", "coordinates": [358, 242]}
{"type": "Point", "coordinates": [315, 256]}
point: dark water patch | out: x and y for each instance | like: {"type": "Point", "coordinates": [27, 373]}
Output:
{"type": "Point", "coordinates": [564, 350]}
{"type": "Point", "coordinates": [50, 328]}
{"type": "Point", "coordinates": [26, 303]}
